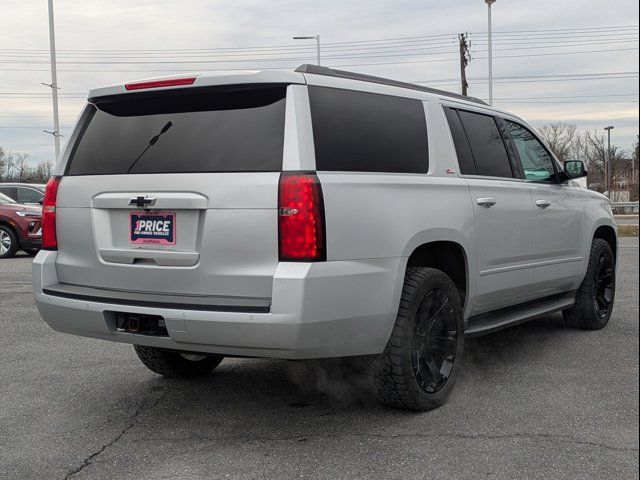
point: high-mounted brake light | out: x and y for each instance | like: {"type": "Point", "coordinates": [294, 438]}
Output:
{"type": "Point", "coordinates": [301, 222]}
{"type": "Point", "coordinates": [167, 82]}
{"type": "Point", "coordinates": [49, 237]}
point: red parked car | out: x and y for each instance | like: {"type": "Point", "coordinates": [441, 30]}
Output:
{"type": "Point", "coordinates": [20, 227]}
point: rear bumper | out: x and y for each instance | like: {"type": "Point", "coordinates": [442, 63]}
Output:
{"type": "Point", "coordinates": [326, 309]}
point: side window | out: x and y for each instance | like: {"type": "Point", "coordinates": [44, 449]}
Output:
{"type": "Point", "coordinates": [366, 132]}
{"type": "Point", "coordinates": [536, 161]}
{"type": "Point", "coordinates": [28, 195]}
{"type": "Point", "coordinates": [487, 145]}
{"type": "Point", "coordinates": [465, 157]}
{"type": "Point", "coordinates": [9, 192]}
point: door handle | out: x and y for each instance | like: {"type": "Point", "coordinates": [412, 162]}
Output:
{"type": "Point", "coordinates": [543, 203]}
{"type": "Point", "coordinates": [486, 202]}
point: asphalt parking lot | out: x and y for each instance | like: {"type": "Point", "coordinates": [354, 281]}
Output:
{"type": "Point", "coordinates": [536, 401]}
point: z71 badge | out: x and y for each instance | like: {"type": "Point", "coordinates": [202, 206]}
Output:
{"type": "Point", "coordinates": [153, 228]}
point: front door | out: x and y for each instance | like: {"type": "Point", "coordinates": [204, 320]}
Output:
{"type": "Point", "coordinates": [558, 215]}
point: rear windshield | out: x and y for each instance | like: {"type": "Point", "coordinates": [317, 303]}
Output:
{"type": "Point", "coordinates": [188, 131]}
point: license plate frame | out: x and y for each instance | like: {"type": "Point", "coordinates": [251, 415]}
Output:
{"type": "Point", "coordinates": [154, 230]}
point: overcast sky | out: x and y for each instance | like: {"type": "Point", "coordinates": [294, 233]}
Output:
{"type": "Point", "coordinates": [582, 54]}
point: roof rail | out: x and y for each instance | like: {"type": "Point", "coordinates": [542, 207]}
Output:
{"type": "Point", "coordinates": [330, 72]}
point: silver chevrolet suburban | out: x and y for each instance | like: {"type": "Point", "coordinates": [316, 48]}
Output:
{"type": "Point", "coordinates": [310, 214]}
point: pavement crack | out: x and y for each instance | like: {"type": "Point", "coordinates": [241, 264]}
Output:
{"type": "Point", "coordinates": [546, 436]}
{"type": "Point", "coordinates": [132, 422]}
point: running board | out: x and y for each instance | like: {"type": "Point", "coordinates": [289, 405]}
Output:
{"type": "Point", "coordinates": [507, 317]}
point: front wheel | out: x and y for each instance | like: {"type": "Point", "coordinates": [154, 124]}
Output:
{"type": "Point", "coordinates": [419, 365]}
{"type": "Point", "coordinates": [173, 364]}
{"type": "Point", "coordinates": [594, 299]}
{"type": "Point", "coordinates": [8, 242]}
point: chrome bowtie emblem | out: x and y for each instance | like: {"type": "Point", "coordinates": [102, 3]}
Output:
{"type": "Point", "coordinates": [141, 201]}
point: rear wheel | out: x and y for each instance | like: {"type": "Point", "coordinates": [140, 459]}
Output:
{"type": "Point", "coordinates": [176, 364]}
{"type": "Point", "coordinates": [8, 242]}
{"type": "Point", "coordinates": [594, 299]}
{"type": "Point", "coordinates": [419, 365]}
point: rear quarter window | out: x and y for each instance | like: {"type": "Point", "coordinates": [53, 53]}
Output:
{"type": "Point", "coordinates": [366, 132]}
{"type": "Point", "coordinates": [205, 130]}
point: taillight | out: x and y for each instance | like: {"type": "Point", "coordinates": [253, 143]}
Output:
{"type": "Point", "coordinates": [49, 238]}
{"type": "Point", "coordinates": [165, 82]}
{"type": "Point", "coordinates": [301, 218]}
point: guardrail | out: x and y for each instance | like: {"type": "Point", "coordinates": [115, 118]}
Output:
{"type": "Point", "coordinates": [625, 207]}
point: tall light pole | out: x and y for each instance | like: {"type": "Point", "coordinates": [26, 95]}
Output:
{"type": "Point", "coordinates": [54, 82]}
{"type": "Point", "coordinates": [608, 159]}
{"type": "Point", "coordinates": [489, 3]}
{"type": "Point", "coordinates": [317, 39]}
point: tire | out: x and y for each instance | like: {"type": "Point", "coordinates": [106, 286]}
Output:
{"type": "Point", "coordinates": [8, 242]}
{"type": "Point", "coordinates": [595, 297]}
{"type": "Point", "coordinates": [173, 364]}
{"type": "Point", "coordinates": [403, 375]}
{"type": "Point", "coordinates": [32, 252]}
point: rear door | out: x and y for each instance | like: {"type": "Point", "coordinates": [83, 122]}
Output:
{"type": "Point", "coordinates": [504, 216]}
{"type": "Point", "coordinates": [175, 192]}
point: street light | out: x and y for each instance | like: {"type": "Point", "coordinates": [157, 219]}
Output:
{"type": "Point", "coordinates": [608, 159]}
{"type": "Point", "coordinates": [317, 39]}
{"type": "Point", "coordinates": [54, 82]}
{"type": "Point", "coordinates": [489, 3]}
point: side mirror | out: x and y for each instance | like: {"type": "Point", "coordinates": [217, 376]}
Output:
{"type": "Point", "coordinates": [575, 169]}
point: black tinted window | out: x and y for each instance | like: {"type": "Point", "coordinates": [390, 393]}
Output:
{"type": "Point", "coordinates": [486, 142]}
{"type": "Point", "coordinates": [366, 132]}
{"type": "Point", "coordinates": [9, 192]}
{"type": "Point", "coordinates": [28, 195]}
{"type": "Point", "coordinates": [465, 158]}
{"type": "Point", "coordinates": [204, 131]}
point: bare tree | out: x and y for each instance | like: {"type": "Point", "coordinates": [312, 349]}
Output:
{"type": "Point", "coordinates": [560, 138]}
{"type": "Point", "coordinates": [42, 172]}
{"type": "Point", "coordinates": [8, 166]}
{"type": "Point", "coordinates": [22, 169]}
{"type": "Point", "coordinates": [3, 163]}
{"type": "Point", "coordinates": [635, 158]}
{"type": "Point", "coordinates": [592, 148]}
{"type": "Point", "coordinates": [16, 167]}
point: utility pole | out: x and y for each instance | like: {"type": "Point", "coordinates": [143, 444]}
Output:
{"type": "Point", "coordinates": [54, 83]}
{"type": "Point", "coordinates": [607, 163]}
{"type": "Point", "coordinates": [464, 61]}
{"type": "Point", "coordinates": [490, 39]}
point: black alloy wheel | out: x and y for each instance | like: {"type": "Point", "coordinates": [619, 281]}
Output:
{"type": "Point", "coordinates": [603, 284]}
{"type": "Point", "coordinates": [435, 340]}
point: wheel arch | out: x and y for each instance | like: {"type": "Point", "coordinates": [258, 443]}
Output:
{"type": "Point", "coordinates": [449, 252]}
{"type": "Point", "coordinates": [608, 234]}
{"type": "Point", "coordinates": [8, 223]}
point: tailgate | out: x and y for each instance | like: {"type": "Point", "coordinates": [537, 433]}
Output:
{"type": "Point", "coordinates": [175, 194]}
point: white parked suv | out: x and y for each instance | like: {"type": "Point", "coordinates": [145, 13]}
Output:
{"type": "Point", "coordinates": [310, 214]}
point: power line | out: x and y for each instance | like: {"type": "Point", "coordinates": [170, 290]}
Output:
{"type": "Point", "coordinates": [286, 67]}
{"type": "Point", "coordinates": [592, 31]}
{"type": "Point", "coordinates": [292, 59]}
{"type": "Point", "coordinates": [372, 49]}
{"type": "Point", "coordinates": [386, 51]}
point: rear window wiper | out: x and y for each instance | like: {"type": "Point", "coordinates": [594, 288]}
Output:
{"type": "Point", "coordinates": [153, 141]}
